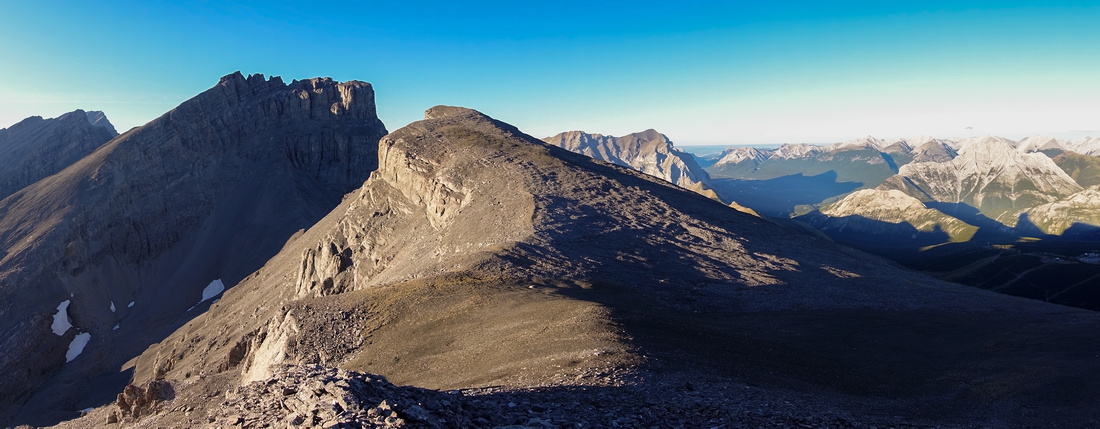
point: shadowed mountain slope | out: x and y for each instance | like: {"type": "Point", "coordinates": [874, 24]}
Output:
{"type": "Point", "coordinates": [1083, 169]}
{"type": "Point", "coordinates": [35, 148]}
{"type": "Point", "coordinates": [129, 236]}
{"type": "Point", "coordinates": [478, 256]}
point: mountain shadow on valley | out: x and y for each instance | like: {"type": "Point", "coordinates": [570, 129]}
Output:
{"type": "Point", "coordinates": [778, 197]}
{"type": "Point", "coordinates": [988, 228]}
{"type": "Point", "coordinates": [898, 241]}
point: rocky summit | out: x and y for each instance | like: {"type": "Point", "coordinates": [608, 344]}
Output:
{"type": "Point", "coordinates": [35, 148]}
{"type": "Point", "coordinates": [648, 151]}
{"type": "Point", "coordinates": [477, 258]}
{"type": "Point", "coordinates": [114, 251]}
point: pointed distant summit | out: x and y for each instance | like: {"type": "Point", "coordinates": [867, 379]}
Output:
{"type": "Point", "coordinates": [933, 151]}
{"type": "Point", "coordinates": [862, 143]}
{"type": "Point", "coordinates": [988, 174]}
{"type": "Point", "coordinates": [99, 119]}
{"type": "Point", "coordinates": [648, 151]}
{"type": "Point", "coordinates": [35, 148]}
{"type": "Point", "coordinates": [739, 155]}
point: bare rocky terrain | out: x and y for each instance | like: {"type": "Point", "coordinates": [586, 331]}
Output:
{"type": "Point", "coordinates": [113, 252]}
{"type": "Point", "coordinates": [550, 289]}
{"type": "Point", "coordinates": [648, 151]}
{"type": "Point", "coordinates": [35, 148]}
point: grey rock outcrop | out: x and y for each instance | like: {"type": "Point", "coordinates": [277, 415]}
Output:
{"type": "Point", "coordinates": [933, 151]}
{"type": "Point", "coordinates": [99, 119]}
{"type": "Point", "coordinates": [888, 215]}
{"type": "Point", "coordinates": [1079, 209]}
{"type": "Point", "coordinates": [648, 151]}
{"type": "Point", "coordinates": [35, 148]}
{"type": "Point", "coordinates": [743, 154]}
{"type": "Point", "coordinates": [210, 190]}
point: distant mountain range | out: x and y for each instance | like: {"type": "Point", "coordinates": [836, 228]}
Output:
{"type": "Point", "coordinates": [901, 198]}
{"type": "Point", "coordinates": [929, 201]}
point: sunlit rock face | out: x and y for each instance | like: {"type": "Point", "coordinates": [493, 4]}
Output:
{"type": "Point", "coordinates": [648, 151]}
{"type": "Point", "coordinates": [891, 214]}
{"type": "Point", "coordinates": [989, 175]}
{"type": "Point", "coordinates": [1079, 209]}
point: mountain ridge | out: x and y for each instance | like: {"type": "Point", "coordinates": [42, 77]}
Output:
{"type": "Point", "coordinates": [35, 148]}
{"type": "Point", "coordinates": [207, 191]}
{"type": "Point", "coordinates": [647, 151]}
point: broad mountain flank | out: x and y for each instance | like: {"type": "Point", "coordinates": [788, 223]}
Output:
{"type": "Point", "coordinates": [268, 255]}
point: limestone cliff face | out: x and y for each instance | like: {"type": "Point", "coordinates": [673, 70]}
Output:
{"type": "Point", "coordinates": [424, 182]}
{"type": "Point", "coordinates": [1080, 209]}
{"type": "Point", "coordinates": [35, 148]}
{"type": "Point", "coordinates": [743, 154]}
{"type": "Point", "coordinates": [210, 190]}
{"type": "Point", "coordinates": [648, 151]}
{"type": "Point", "coordinates": [934, 151]}
{"type": "Point", "coordinates": [989, 175]}
{"type": "Point", "coordinates": [890, 214]}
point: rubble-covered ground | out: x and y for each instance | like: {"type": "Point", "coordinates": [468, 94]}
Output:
{"type": "Point", "coordinates": [316, 396]}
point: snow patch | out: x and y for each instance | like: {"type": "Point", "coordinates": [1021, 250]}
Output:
{"type": "Point", "coordinates": [115, 328]}
{"type": "Point", "coordinates": [112, 306]}
{"type": "Point", "coordinates": [131, 304]}
{"type": "Point", "coordinates": [213, 289]}
{"type": "Point", "coordinates": [77, 346]}
{"type": "Point", "coordinates": [61, 323]}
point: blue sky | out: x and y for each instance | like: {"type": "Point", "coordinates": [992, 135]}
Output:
{"type": "Point", "coordinates": [701, 72]}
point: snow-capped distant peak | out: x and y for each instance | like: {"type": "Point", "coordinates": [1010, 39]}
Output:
{"type": "Point", "coordinates": [1084, 146]}
{"type": "Point", "coordinates": [738, 154]}
{"type": "Point", "coordinates": [862, 143]}
{"type": "Point", "coordinates": [961, 145]}
{"type": "Point", "coordinates": [791, 151]}
{"type": "Point", "coordinates": [1038, 143]}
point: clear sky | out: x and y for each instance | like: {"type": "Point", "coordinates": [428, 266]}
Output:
{"type": "Point", "coordinates": [700, 72]}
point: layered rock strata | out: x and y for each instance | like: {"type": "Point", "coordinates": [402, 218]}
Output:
{"type": "Point", "coordinates": [132, 233]}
